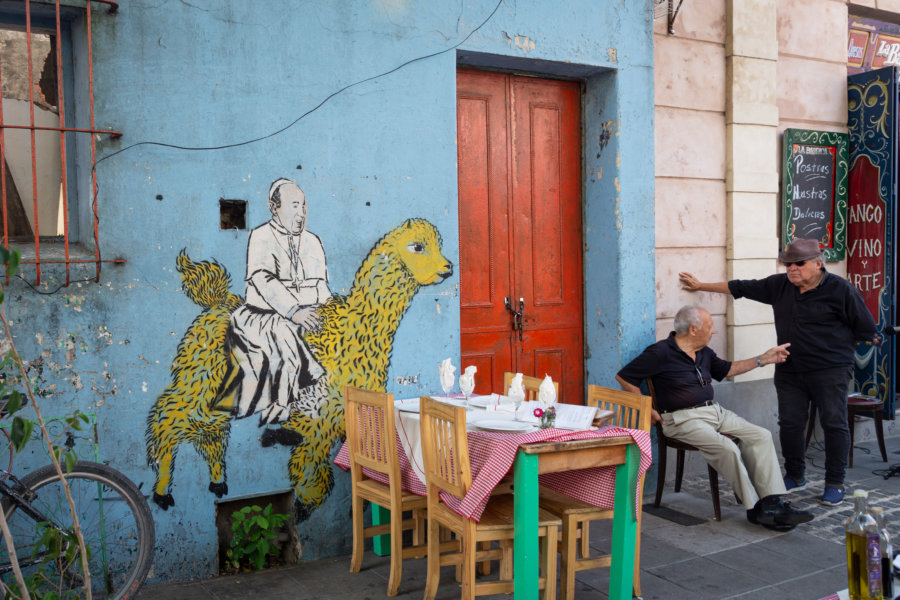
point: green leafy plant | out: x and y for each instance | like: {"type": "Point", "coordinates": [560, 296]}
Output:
{"type": "Point", "coordinates": [254, 531]}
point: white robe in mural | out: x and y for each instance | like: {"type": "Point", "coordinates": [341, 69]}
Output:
{"type": "Point", "coordinates": [285, 272]}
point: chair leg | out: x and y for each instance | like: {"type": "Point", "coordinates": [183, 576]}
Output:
{"type": "Point", "coordinates": [584, 533]}
{"type": "Point", "coordinates": [396, 551]}
{"type": "Point", "coordinates": [851, 423]}
{"type": "Point", "coordinates": [714, 489]}
{"type": "Point", "coordinates": [484, 567]}
{"type": "Point", "coordinates": [469, 549]}
{"type": "Point", "coordinates": [879, 433]}
{"type": "Point", "coordinates": [358, 535]}
{"type": "Point", "coordinates": [419, 529]}
{"type": "Point", "coordinates": [661, 474]}
{"type": "Point", "coordinates": [433, 576]}
{"type": "Point", "coordinates": [549, 566]}
{"type": "Point", "coordinates": [679, 470]}
{"type": "Point", "coordinates": [568, 560]}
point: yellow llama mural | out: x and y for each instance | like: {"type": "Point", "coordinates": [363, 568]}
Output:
{"type": "Point", "coordinates": [220, 372]}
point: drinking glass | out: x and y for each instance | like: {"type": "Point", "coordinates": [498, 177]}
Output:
{"type": "Point", "coordinates": [467, 386]}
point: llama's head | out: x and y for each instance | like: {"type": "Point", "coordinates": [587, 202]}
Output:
{"type": "Point", "coordinates": [417, 244]}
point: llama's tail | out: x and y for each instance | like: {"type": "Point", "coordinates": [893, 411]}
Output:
{"type": "Point", "coordinates": [205, 282]}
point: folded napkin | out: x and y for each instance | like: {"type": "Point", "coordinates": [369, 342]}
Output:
{"type": "Point", "coordinates": [547, 392]}
{"type": "Point", "coordinates": [516, 391]}
{"type": "Point", "coordinates": [525, 412]}
{"type": "Point", "coordinates": [506, 407]}
{"type": "Point", "coordinates": [447, 370]}
{"type": "Point", "coordinates": [467, 380]}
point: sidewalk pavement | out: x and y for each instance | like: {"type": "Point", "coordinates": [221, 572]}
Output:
{"type": "Point", "coordinates": [728, 560]}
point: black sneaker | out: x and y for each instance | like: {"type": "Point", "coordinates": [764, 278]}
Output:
{"type": "Point", "coordinates": [777, 512]}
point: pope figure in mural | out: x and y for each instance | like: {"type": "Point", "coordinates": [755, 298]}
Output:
{"type": "Point", "coordinates": [287, 279]}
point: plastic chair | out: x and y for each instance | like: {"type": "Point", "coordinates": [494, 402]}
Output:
{"type": "Point", "coordinates": [664, 444]}
{"type": "Point", "coordinates": [633, 412]}
{"type": "Point", "coordinates": [372, 444]}
{"type": "Point", "coordinates": [445, 452]}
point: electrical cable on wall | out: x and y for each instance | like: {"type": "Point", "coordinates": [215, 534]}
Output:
{"type": "Point", "coordinates": [260, 138]}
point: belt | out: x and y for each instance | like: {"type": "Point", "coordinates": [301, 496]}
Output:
{"type": "Point", "coordinates": [701, 405]}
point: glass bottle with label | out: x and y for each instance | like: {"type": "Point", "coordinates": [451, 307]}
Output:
{"type": "Point", "coordinates": [887, 554]}
{"type": "Point", "coordinates": [863, 551]}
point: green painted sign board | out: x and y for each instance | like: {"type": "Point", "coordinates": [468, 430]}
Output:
{"type": "Point", "coordinates": [814, 189]}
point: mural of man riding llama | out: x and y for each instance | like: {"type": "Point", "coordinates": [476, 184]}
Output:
{"type": "Point", "coordinates": [285, 352]}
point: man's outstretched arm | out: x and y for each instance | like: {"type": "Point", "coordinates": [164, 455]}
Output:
{"type": "Point", "coordinates": [692, 284]}
{"type": "Point", "coordinates": [775, 355]}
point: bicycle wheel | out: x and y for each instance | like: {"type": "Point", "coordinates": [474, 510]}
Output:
{"type": "Point", "coordinates": [115, 522]}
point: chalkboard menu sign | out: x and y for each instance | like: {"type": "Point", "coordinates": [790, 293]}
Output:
{"type": "Point", "coordinates": [814, 184]}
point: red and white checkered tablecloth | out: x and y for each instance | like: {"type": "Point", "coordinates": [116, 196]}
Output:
{"type": "Point", "coordinates": [492, 456]}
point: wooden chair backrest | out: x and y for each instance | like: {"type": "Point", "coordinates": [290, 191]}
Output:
{"type": "Point", "coordinates": [371, 432]}
{"type": "Point", "coordinates": [445, 449]}
{"type": "Point", "coordinates": [532, 386]}
{"type": "Point", "coordinates": [631, 410]}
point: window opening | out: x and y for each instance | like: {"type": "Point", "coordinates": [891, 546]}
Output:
{"type": "Point", "coordinates": [42, 213]}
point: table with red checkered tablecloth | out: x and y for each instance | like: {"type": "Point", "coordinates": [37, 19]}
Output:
{"type": "Point", "coordinates": [493, 454]}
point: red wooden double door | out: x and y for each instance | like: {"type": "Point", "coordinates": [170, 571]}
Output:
{"type": "Point", "coordinates": [520, 229]}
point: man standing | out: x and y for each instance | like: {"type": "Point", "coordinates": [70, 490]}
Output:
{"type": "Point", "coordinates": [823, 317]}
{"type": "Point", "coordinates": [683, 367]}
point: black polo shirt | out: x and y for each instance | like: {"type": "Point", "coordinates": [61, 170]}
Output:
{"type": "Point", "coordinates": [823, 325]}
{"type": "Point", "coordinates": [675, 376]}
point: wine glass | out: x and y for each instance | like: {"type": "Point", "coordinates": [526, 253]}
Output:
{"type": "Point", "coordinates": [467, 386]}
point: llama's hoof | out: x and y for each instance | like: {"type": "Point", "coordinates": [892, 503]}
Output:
{"type": "Point", "coordinates": [219, 489]}
{"type": "Point", "coordinates": [282, 436]}
{"type": "Point", "coordinates": [164, 502]}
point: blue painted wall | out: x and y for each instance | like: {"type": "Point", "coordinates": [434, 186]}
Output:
{"type": "Point", "coordinates": [368, 152]}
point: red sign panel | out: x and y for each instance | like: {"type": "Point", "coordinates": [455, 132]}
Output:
{"type": "Point", "coordinates": [866, 218]}
{"type": "Point", "coordinates": [856, 47]}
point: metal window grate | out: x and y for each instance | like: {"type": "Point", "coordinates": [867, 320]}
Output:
{"type": "Point", "coordinates": [21, 222]}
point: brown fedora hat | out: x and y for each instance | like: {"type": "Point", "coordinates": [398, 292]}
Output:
{"type": "Point", "coordinates": [800, 249]}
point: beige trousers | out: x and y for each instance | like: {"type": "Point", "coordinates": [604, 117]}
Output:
{"type": "Point", "coordinates": [750, 466]}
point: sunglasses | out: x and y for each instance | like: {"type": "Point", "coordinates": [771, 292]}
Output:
{"type": "Point", "coordinates": [702, 381]}
{"type": "Point", "coordinates": [797, 263]}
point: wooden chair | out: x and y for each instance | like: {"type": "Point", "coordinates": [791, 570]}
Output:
{"type": "Point", "coordinates": [633, 412]}
{"type": "Point", "coordinates": [372, 444]}
{"type": "Point", "coordinates": [445, 452]}
{"type": "Point", "coordinates": [531, 384]}
{"type": "Point", "coordinates": [664, 443]}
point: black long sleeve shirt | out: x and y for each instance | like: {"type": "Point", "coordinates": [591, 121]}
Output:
{"type": "Point", "coordinates": [823, 325]}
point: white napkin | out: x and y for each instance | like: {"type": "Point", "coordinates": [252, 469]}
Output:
{"type": "Point", "coordinates": [467, 379]}
{"type": "Point", "coordinates": [516, 392]}
{"type": "Point", "coordinates": [525, 413]}
{"type": "Point", "coordinates": [447, 370]}
{"type": "Point", "coordinates": [547, 392]}
{"type": "Point", "coordinates": [503, 407]}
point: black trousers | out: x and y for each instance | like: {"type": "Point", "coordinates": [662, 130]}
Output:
{"type": "Point", "coordinates": [828, 389]}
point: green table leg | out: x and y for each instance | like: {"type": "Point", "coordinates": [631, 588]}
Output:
{"type": "Point", "coordinates": [381, 544]}
{"type": "Point", "coordinates": [621, 574]}
{"type": "Point", "coordinates": [525, 505]}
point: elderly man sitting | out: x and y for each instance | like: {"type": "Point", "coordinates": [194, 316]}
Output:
{"type": "Point", "coordinates": [682, 367]}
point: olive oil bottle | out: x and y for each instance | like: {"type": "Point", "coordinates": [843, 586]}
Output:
{"type": "Point", "coordinates": [863, 551]}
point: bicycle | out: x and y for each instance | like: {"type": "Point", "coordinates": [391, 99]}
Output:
{"type": "Point", "coordinates": [115, 522]}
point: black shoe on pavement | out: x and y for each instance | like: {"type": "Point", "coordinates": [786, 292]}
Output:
{"type": "Point", "coordinates": [773, 512]}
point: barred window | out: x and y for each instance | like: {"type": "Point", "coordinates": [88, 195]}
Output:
{"type": "Point", "coordinates": [48, 134]}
